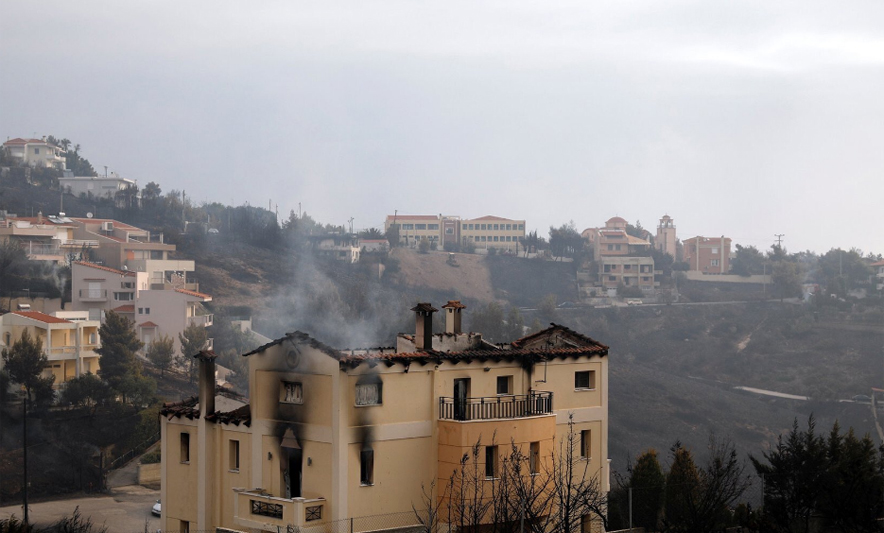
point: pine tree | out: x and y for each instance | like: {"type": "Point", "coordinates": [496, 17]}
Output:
{"type": "Point", "coordinates": [119, 342]}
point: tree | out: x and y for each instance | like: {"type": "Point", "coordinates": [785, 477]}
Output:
{"type": "Point", "coordinates": [647, 481]}
{"type": "Point", "coordinates": [12, 259]}
{"type": "Point", "coordinates": [371, 233]}
{"type": "Point", "coordinates": [424, 246]}
{"type": "Point", "coordinates": [192, 340]}
{"type": "Point", "coordinates": [488, 321]}
{"type": "Point", "coordinates": [392, 235]}
{"type": "Point", "coordinates": [87, 390]}
{"type": "Point", "coordinates": [808, 478]}
{"type": "Point", "coordinates": [697, 499]}
{"type": "Point", "coordinates": [119, 342]}
{"type": "Point", "coordinates": [25, 362]}
{"type": "Point", "coordinates": [151, 192]}
{"type": "Point", "coordinates": [786, 279]}
{"type": "Point", "coordinates": [547, 306]}
{"type": "Point", "coordinates": [747, 261]}
{"type": "Point", "coordinates": [161, 352]}
{"type": "Point", "coordinates": [565, 241]}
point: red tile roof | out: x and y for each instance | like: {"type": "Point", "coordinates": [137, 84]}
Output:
{"type": "Point", "coordinates": [148, 324]}
{"type": "Point", "coordinates": [19, 140]}
{"type": "Point", "coordinates": [492, 217]}
{"type": "Point", "coordinates": [878, 264]}
{"type": "Point", "coordinates": [517, 354]}
{"type": "Point", "coordinates": [618, 219]}
{"type": "Point", "coordinates": [129, 308]}
{"type": "Point", "coordinates": [454, 304]}
{"type": "Point", "coordinates": [105, 268]}
{"type": "Point", "coordinates": [194, 293]}
{"type": "Point", "coordinates": [42, 317]}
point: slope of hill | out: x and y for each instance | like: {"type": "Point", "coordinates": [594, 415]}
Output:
{"type": "Point", "coordinates": [469, 279]}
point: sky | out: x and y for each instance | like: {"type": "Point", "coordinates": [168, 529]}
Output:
{"type": "Point", "coordinates": [741, 119]}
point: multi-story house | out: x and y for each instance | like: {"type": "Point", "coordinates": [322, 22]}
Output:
{"type": "Point", "coordinates": [69, 340]}
{"type": "Point", "coordinates": [155, 308]}
{"type": "Point", "coordinates": [44, 238]}
{"type": "Point", "coordinates": [709, 255]}
{"type": "Point", "coordinates": [100, 187]}
{"type": "Point", "coordinates": [622, 259]}
{"type": "Point", "coordinates": [332, 435]}
{"type": "Point", "coordinates": [484, 232]}
{"type": "Point", "coordinates": [36, 153]}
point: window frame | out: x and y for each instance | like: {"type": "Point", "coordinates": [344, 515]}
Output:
{"type": "Point", "coordinates": [184, 448]}
{"type": "Point", "coordinates": [380, 394]}
{"type": "Point", "coordinates": [233, 455]}
{"type": "Point", "coordinates": [492, 463]}
{"type": "Point", "coordinates": [586, 444]}
{"type": "Point", "coordinates": [590, 380]}
{"type": "Point", "coordinates": [366, 467]}
{"type": "Point", "coordinates": [534, 458]}
{"type": "Point", "coordinates": [506, 380]}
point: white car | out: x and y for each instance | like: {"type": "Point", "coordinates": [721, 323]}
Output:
{"type": "Point", "coordinates": [157, 509]}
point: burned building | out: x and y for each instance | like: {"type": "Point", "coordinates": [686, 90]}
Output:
{"type": "Point", "coordinates": [331, 435]}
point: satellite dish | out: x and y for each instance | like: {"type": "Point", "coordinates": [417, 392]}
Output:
{"type": "Point", "coordinates": [89, 215]}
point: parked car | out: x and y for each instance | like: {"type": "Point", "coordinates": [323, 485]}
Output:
{"type": "Point", "coordinates": [633, 301]}
{"type": "Point", "coordinates": [862, 398]}
{"type": "Point", "coordinates": [157, 509]}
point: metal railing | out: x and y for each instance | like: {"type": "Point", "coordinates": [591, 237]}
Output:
{"type": "Point", "coordinates": [93, 294]}
{"type": "Point", "coordinates": [494, 407]}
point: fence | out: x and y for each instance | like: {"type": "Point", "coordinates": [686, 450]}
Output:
{"type": "Point", "coordinates": [137, 450]}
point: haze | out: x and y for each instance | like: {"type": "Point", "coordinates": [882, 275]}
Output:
{"type": "Point", "coordinates": [739, 119]}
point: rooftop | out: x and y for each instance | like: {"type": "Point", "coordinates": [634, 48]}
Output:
{"type": "Point", "coordinates": [42, 317]}
{"type": "Point", "coordinates": [105, 268]}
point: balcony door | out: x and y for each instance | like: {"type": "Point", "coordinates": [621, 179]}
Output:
{"type": "Point", "coordinates": [461, 398]}
{"type": "Point", "coordinates": [292, 476]}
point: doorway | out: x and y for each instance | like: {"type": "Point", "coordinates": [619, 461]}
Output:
{"type": "Point", "coordinates": [461, 398]}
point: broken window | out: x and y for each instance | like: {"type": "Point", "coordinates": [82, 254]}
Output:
{"type": "Point", "coordinates": [586, 444]}
{"type": "Point", "coordinates": [185, 447]}
{"type": "Point", "coordinates": [369, 394]}
{"type": "Point", "coordinates": [366, 467]}
{"type": "Point", "coordinates": [292, 392]}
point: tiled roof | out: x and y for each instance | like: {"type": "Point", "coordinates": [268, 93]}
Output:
{"type": "Point", "coordinates": [128, 308]}
{"type": "Point", "coordinates": [618, 219]}
{"type": "Point", "coordinates": [241, 415]}
{"type": "Point", "coordinates": [194, 293]}
{"type": "Point", "coordinates": [564, 329]}
{"type": "Point", "coordinates": [105, 268]}
{"type": "Point", "coordinates": [432, 356]}
{"type": "Point", "coordinates": [454, 304]}
{"type": "Point", "coordinates": [148, 324]}
{"type": "Point", "coordinates": [19, 140]}
{"type": "Point", "coordinates": [424, 307]}
{"type": "Point", "coordinates": [298, 337]}
{"type": "Point", "coordinates": [42, 317]}
{"type": "Point", "coordinates": [491, 217]}
{"type": "Point", "coordinates": [185, 408]}
{"type": "Point", "coordinates": [412, 217]}
{"type": "Point", "coordinates": [878, 264]}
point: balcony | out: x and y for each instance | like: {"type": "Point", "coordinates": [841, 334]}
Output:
{"type": "Point", "coordinates": [93, 295]}
{"type": "Point", "coordinates": [61, 353]}
{"type": "Point", "coordinates": [258, 510]}
{"type": "Point", "coordinates": [496, 407]}
{"type": "Point", "coordinates": [201, 320]}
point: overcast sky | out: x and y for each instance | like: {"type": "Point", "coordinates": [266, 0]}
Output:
{"type": "Point", "coordinates": [742, 119]}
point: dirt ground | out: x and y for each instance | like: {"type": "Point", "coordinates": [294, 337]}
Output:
{"type": "Point", "coordinates": [124, 510]}
{"type": "Point", "coordinates": [431, 270]}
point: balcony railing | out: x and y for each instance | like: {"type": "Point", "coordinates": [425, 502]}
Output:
{"type": "Point", "coordinates": [93, 295]}
{"type": "Point", "coordinates": [494, 407]}
{"type": "Point", "coordinates": [201, 320]}
{"type": "Point", "coordinates": [259, 510]}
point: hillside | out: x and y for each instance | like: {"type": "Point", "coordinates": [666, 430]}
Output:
{"type": "Point", "coordinates": [471, 277]}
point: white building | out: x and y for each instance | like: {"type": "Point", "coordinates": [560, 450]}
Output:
{"type": "Point", "coordinates": [97, 187]}
{"type": "Point", "coordinates": [35, 153]}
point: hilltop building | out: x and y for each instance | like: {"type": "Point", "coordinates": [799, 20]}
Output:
{"type": "Point", "coordinates": [135, 276]}
{"type": "Point", "coordinates": [36, 153]}
{"type": "Point", "coordinates": [69, 340]}
{"type": "Point", "coordinates": [484, 232]}
{"type": "Point", "coordinates": [709, 255]}
{"type": "Point", "coordinates": [622, 259]}
{"type": "Point", "coordinates": [49, 238]}
{"type": "Point", "coordinates": [666, 239]}
{"type": "Point", "coordinates": [99, 187]}
{"type": "Point", "coordinates": [333, 436]}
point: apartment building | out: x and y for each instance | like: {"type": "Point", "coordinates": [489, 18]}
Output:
{"type": "Point", "coordinates": [49, 238]}
{"type": "Point", "coordinates": [709, 255]}
{"type": "Point", "coordinates": [98, 186]}
{"type": "Point", "coordinates": [36, 153]}
{"type": "Point", "coordinates": [484, 232]}
{"type": "Point", "coordinates": [332, 435]}
{"type": "Point", "coordinates": [69, 340]}
{"type": "Point", "coordinates": [155, 308]}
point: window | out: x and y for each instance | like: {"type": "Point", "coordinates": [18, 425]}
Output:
{"type": "Point", "coordinates": [504, 384]}
{"type": "Point", "coordinates": [185, 447]}
{"type": "Point", "coordinates": [509, 227]}
{"type": "Point", "coordinates": [495, 238]}
{"type": "Point", "coordinates": [586, 444]}
{"type": "Point", "coordinates": [420, 226]}
{"type": "Point", "coordinates": [484, 226]}
{"type": "Point", "coordinates": [407, 226]}
{"type": "Point", "coordinates": [612, 278]}
{"type": "Point", "coordinates": [715, 262]}
{"type": "Point", "coordinates": [234, 455]}
{"type": "Point", "coordinates": [147, 310]}
{"type": "Point", "coordinates": [449, 231]}
{"type": "Point", "coordinates": [491, 461]}
{"type": "Point", "coordinates": [292, 392]}
{"type": "Point", "coordinates": [140, 310]}
{"type": "Point", "coordinates": [128, 285]}
{"type": "Point", "coordinates": [36, 150]}
{"type": "Point", "coordinates": [497, 226]}
{"type": "Point", "coordinates": [715, 250]}
{"type": "Point", "coordinates": [432, 226]}
{"type": "Point", "coordinates": [584, 379]}
{"type": "Point", "coordinates": [521, 226]}
{"type": "Point", "coordinates": [627, 267]}
{"type": "Point", "coordinates": [534, 458]}
{"type": "Point", "coordinates": [369, 394]}
{"type": "Point", "coordinates": [123, 296]}
{"type": "Point", "coordinates": [366, 467]}
{"type": "Point", "coordinates": [610, 247]}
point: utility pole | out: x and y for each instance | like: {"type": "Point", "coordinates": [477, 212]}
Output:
{"type": "Point", "coordinates": [351, 225]}
{"type": "Point", "coordinates": [779, 237]}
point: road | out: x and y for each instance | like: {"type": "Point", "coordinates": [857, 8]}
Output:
{"type": "Point", "coordinates": [124, 510]}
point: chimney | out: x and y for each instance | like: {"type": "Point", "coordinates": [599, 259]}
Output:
{"type": "Point", "coordinates": [206, 382]}
{"type": "Point", "coordinates": [39, 217]}
{"type": "Point", "coordinates": [453, 316]}
{"type": "Point", "coordinates": [423, 326]}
